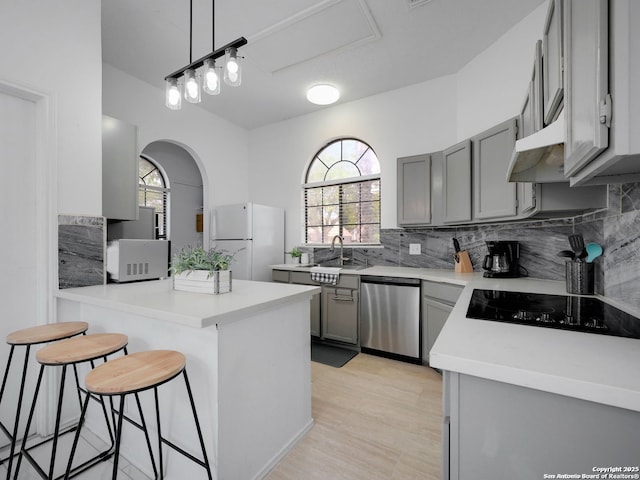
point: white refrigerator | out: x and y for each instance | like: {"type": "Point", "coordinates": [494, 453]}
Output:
{"type": "Point", "coordinates": [254, 233]}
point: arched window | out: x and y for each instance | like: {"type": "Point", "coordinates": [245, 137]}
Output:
{"type": "Point", "coordinates": [153, 192]}
{"type": "Point", "coordinates": [342, 194]}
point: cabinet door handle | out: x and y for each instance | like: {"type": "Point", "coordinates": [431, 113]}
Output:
{"type": "Point", "coordinates": [342, 299]}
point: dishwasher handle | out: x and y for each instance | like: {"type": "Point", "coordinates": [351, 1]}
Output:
{"type": "Point", "coordinates": [403, 282]}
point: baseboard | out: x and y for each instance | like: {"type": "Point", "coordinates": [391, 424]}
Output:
{"type": "Point", "coordinates": [275, 460]}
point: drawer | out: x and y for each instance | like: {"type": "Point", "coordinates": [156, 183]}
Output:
{"type": "Point", "coordinates": [349, 281]}
{"type": "Point", "coordinates": [444, 292]}
{"type": "Point", "coordinates": [302, 278]}
{"type": "Point", "coordinates": [281, 276]}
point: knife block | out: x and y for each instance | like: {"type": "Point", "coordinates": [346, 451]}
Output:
{"type": "Point", "coordinates": [463, 264]}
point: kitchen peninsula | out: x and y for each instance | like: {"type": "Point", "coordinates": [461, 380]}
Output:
{"type": "Point", "coordinates": [248, 359]}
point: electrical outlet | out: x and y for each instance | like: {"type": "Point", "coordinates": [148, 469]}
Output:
{"type": "Point", "coordinates": [414, 249]}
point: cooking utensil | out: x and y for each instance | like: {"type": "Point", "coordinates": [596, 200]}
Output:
{"type": "Point", "coordinates": [567, 254]}
{"type": "Point", "coordinates": [577, 245]}
{"type": "Point", "coordinates": [456, 245]}
{"type": "Point", "coordinates": [593, 251]}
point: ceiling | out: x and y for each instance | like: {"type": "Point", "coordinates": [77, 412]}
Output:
{"type": "Point", "coordinates": [364, 47]}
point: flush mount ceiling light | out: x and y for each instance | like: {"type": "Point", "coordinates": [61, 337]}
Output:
{"type": "Point", "coordinates": [323, 94]}
{"type": "Point", "coordinates": [189, 81]}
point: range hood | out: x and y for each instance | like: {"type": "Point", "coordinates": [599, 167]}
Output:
{"type": "Point", "coordinates": [540, 156]}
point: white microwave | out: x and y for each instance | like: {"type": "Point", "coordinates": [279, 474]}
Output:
{"type": "Point", "coordinates": [130, 260]}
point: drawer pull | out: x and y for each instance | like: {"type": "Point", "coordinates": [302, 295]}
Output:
{"type": "Point", "coordinates": [342, 299]}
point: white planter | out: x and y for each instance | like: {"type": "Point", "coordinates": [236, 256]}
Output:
{"type": "Point", "coordinates": [199, 281]}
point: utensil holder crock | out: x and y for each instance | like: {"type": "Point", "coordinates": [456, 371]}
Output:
{"type": "Point", "coordinates": [579, 277]}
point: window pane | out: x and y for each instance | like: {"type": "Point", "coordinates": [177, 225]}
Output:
{"type": "Point", "coordinates": [145, 167]}
{"type": "Point", "coordinates": [317, 171]}
{"type": "Point", "coordinates": [370, 212]}
{"type": "Point", "coordinates": [314, 235]}
{"type": "Point", "coordinates": [371, 190]}
{"type": "Point", "coordinates": [154, 179]}
{"type": "Point", "coordinates": [331, 154]}
{"type": "Point", "coordinates": [331, 195]}
{"type": "Point", "coordinates": [314, 196]}
{"type": "Point", "coordinates": [350, 214]}
{"type": "Point", "coordinates": [351, 193]}
{"type": "Point", "coordinates": [352, 150]}
{"type": "Point", "coordinates": [314, 216]}
{"type": "Point", "coordinates": [331, 215]}
{"type": "Point", "coordinates": [369, 163]}
{"type": "Point", "coordinates": [342, 170]}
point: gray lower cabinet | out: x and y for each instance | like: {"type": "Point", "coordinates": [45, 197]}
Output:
{"type": "Point", "coordinates": [502, 431]}
{"type": "Point", "coordinates": [414, 190]}
{"type": "Point", "coordinates": [340, 314]}
{"type": "Point", "coordinates": [438, 300]}
{"type": "Point", "coordinates": [334, 311]}
{"type": "Point", "coordinates": [493, 196]}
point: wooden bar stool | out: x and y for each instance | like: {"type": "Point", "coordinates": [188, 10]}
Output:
{"type": "Point", "coordinates": [64, 353]}
{"type": "Point", "coordinates": [132, 374]}
{"type": "Point", "coordinates": [28, 337]}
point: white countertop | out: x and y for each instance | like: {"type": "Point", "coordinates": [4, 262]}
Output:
{"type": "Point", "coordinates": [598, 368]}
{"type": "Point", "coordinates": [157, 299]}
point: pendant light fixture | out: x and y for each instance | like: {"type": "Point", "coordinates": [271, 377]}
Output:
{"type": "Point", "coordinates": [189, 81]}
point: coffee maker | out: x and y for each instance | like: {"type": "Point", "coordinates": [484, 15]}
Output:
{"type": "Point", "coordinates": [503, 259]}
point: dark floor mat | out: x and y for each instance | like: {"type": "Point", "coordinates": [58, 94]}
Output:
{"type": "Point", "coordinates": [330, 355]}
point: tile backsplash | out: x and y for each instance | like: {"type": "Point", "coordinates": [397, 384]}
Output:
{"type": "Point", "coordinates": [81, 245]}
{"type": "Point", "coordinates": [616, 228]}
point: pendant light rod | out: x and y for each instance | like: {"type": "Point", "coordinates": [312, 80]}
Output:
{"type": "Point", "coordinates": [190, 31]}
{"type": "Point", "coordinates": [239, 42]}
{"type": "Point", "coordinates": [213, 24]}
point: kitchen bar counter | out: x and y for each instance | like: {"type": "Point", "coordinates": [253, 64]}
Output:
{"type": "Point", "coordinates": [598, 368]}
{"type": "Point", "coordinates": [248, 358]}
{"type": "Point", "coordinates": [157, 299]}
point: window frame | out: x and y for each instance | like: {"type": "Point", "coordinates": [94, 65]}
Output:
{"type": "Point", "coordinates": [143, 188]}
{"type": "Point", "coordinates": [338, 182]}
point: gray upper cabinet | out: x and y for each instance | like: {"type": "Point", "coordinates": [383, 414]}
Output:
{"type": "Point", "coordinates": [414, 190]}
{"type": "Point", "coordinates": [120, 175]}
{"type": "Point", "coordinates": [456, 183]}
{"type": "Point", "coordinates": [586, 82]}
{"type": "Point", "coordinates": [552, 61]}
{"type": "Point", "coordinates": [592, 110]}
{"type": "Point", "coordinates": [493, 196]}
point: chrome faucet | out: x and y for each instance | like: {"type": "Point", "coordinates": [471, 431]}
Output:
{"type": "Point", "coordinates": [333, 244]}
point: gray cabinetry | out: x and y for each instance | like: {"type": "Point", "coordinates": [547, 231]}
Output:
{"type": "Point", "coordinates": [586, 58]}
{"type": "Point", "coordinates": [438, 300]}
{"type": "Point", "coordinates": [552, 58]}
{"type": "Point", "coordinates": [120, 175]}
{"type": "Point", "coordinates": [414, 190]}
{"type": "Point", "coordinates": [525, 430]}
{"type": "Point", "coordinates": [456, 183]}
{"type": "Point", "coordinates": [340, 314]}
{"type": "Point", "coordinates": [493, 196]}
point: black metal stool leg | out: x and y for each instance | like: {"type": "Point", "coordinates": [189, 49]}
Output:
{"type": "Point", "coordinates": [114, 474]}
{"type": "Point", "coordinates": [155, 393]}
{"type": "Point", "coordinates": [33, 407]}
{"type": "Point", "coordinates": [146, 436]}
{"type": "Point", "coordinates": [14, 437]}
{"type": "Point", "coordinates": [56, 430]}
{"type": "Point", "coordinates": [206, 465]}
{"type": "Point", "coordinates": [76, 437]}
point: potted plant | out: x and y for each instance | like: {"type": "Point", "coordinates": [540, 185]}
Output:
{"type": "Point", "coordinates": [295, 255]}
{"type": "Point", "coordinates": [198, 270]}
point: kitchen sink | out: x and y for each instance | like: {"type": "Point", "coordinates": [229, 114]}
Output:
{"type": "Point", "coordinates": [345, 267]}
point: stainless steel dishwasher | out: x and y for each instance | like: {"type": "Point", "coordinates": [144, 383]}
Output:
{"type": "Point", "coordinates": [390, 317]}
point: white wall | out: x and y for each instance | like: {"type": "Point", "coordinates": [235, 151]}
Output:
{"type": "Point", "coordinates": [220, 146]}
{"type": "Point", "coordinates": [492, 86]}
{"type": "Point", "coordinates": [408, 121]}
{"type": "Point", "coordinates": [55, 48]}
{"type": "Point", "coordinates": [421, 118]}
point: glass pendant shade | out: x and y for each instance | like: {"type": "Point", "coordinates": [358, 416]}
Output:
{"type": "Point", "coordinates": [191, 86]}
{"type": "Point", "coordinates": [232, 67]}
{"type": "Point", "coordinates": [211, 78]}
{"type": "Point", "coordinates": [173, 98]}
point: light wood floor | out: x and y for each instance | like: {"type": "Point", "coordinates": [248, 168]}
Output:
{"type": "Point", "coordinates": [374, 419]}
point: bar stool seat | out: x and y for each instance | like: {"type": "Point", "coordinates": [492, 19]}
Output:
{"type": "Point", "coordinates": [71, 352]}
{"type": "Point", "coordinates": [28, 337]}
{"type": "Point", "coordinates": [135, 373]}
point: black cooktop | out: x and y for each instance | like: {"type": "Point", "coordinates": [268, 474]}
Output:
{"type": "Point", "coordinates": [565, 312]}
